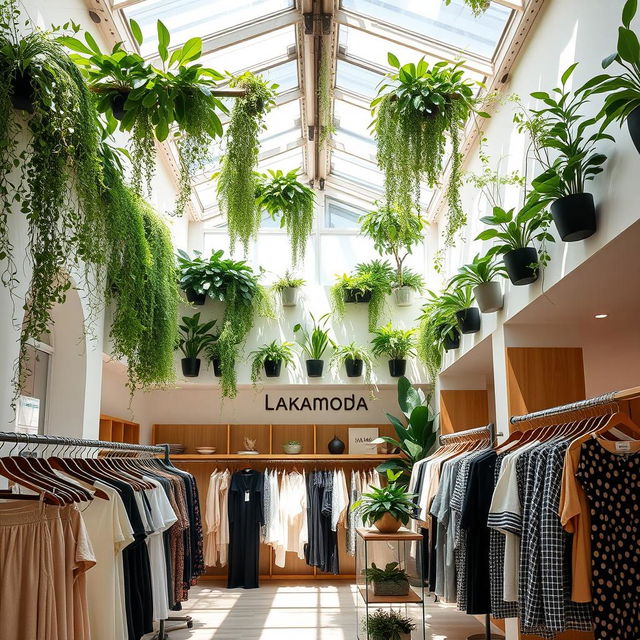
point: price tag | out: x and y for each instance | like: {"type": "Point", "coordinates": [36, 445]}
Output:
{"type": "Point", "coordinates": [247, 496]}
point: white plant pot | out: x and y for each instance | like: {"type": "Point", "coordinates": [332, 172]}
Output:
{"type": "Point", "coordinates": [289, 296]}
{"type": "Point", "coordinates": [489, 296]}
{"type": "Point", "coordinates": [404, 296]}
{"type": "Point", "coordinates": [292, 449]}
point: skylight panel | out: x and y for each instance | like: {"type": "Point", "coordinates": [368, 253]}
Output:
{"type": "Point", "coordinates": [357, 79]}
{"type": "Point", "coordinates": [282, 126]}
{"type": "Point", "coordinates": [284, 75]}
{"type": "Point", "coordinates": [352, 130]}
{"type": "Point", "coordinates": [292, 159]}
{"type": "Point", "coordinates": [356, 170]}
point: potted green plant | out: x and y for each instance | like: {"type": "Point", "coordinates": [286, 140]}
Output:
{"type": "Point", "coordinates": [559, 128]}
{"type": "Point", "coordinates": [515, 233]}
{"type": "Point", "coordinates": [192, 276]}
{"type": "Point", "coordinates": [193, 338]}
{"type": "Point", "coordinates": [369, 283]}
{"type": "Point", "coordinates": [390, 581]}
{"type": "Point", "coordinates": [293, 447]}
{"type": "Point", "coordinates": [396, 235]}
{"type": "Point", "coordinates": [482, 274]}
{"type": "Point", "coordinates": [212, 352]}
{"type": "Point", "coordinates": [237, 181]}
{"type": "Point", "coordinates": [271, 356]}
{"type": "Point", "coordinates": [397, 344]}
{"type": "Point", "coordinates": [388, 625]}
{"type": "Point", "coordinates": [438, 332]}
{"type": "Point", "coordinates": [315, 343]}
{"type": "Point", "coordinates": [287, 287]}
{"type": "Point", "coordinates": [153, 102]}
{"type": "Point", "coordinates": [387, 508]}
{"type": "Point", "coordinates": [282, 194]}
{"type": "Point", "coordinates": [416, 107]}
{"type": "Point", "coordinates": [459, 300]}
{"type": "Point", "coordinates": [356, 360]}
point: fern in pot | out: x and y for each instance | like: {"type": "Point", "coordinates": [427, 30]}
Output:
{"type": "Point", "coordinates": [314, 343]}
{"type": "Point", "coordinates": [355, 358]}
{"type": "Point", "coordinates": [193, 339]}
{"type": "Point", "coordinates": [388, 625]}
{"type": "Point", "coordinates": [270, 357]}
{"type": "Point", "coordinates": [396, 235]}
{"type": "Point", "coordinates": [287, 288]}
{"type": "Point", "coordinates": [459, 300]}
{"type": "Point", "coordinates": [482, 274]}
{"type": "Point", "coordinates": [390, 581]}
{"type": "Point", "coordinates": [396, 344]}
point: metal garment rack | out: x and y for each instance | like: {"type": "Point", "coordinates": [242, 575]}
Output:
{"type": "Point", "coordinates": [492, 436]}
{"type": "Point", "coordinates": [163, 449]}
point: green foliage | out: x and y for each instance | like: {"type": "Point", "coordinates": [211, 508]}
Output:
{"type": "Point", "coordinates": [192, 272]}
{"type": "Point", "coordinates": [482, 269]}
{"type": "Point", "coordinates": [415, 432]}
{"type": "Point", "coordinates": [274, 352]}
{"type": "Point", "coordinates": [560, 128]}
{"type": "Point", "coordinates": [154, 100]}
{"type": "Point", "coordinates": [391, 573]}
{"type": "Point", "coordinates": [477, 6]}
{"type": "Point", "coordinates": [325, 96]}
{"type": "Point", "coordinates": [437, 322]}
{"type": "Point", "coordinates": [396, 344]}
{"type": "Point", "coordinates": [352, 351]}
{"type": "Point", "coordinates": [283, 194]}
{"type": "Point", "coordinates": [286, 281]}
{"type": "Point", "coordinates": [393, 499]}
{"type": "Point", "coordinates": [316, 342]}
{"type": "Point", "coordinates": [456, 298]}
{"type": "Point", "coordinates": [413, 112]}
{"type": "Point", "coordinates": [237, 179]}
{"type": "Point", "coordinates": [410, 279]}
{"type": "Point", "coordinates": [194, 336]}
{"type": "Point", "coordinates": [387, 625]}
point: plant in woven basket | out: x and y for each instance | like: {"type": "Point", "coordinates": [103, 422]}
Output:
{"type": "Point", "coordinates": [390, 581]}
{"type": "Point", "coordinates": [237, 180]}
{"type": "Point", "coordinates": [388, 625]}
{"type": "Point", "coordinates": [282, 194]}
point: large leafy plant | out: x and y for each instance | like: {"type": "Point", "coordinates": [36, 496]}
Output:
{"type": "Point", "coordinates": [282, 194]}
{"type": "Point", "coordinates": [237, 180]}
{"type": "Point", "coordinates": [314, 343]}
{"type": "Point", "coordinates": [195, 336]}
{"type": "Point", "coordinates": [396, 344]}
{"type": "Point", "coordinates": [274, 352]}
{"type": "Point", "coordinates": [416, 108]}
{"type": "Point", "coordinates": [153, 102]}
{"type": "Point", "coordinates": [391, 573]}
{"type": "Point", "coordinates": [392, 499]}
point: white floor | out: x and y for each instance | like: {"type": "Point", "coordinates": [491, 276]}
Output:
{"type": "Point", "coordinates": [284, 610]}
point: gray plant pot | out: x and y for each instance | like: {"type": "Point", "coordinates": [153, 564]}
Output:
{"type": "Point", "coordinates": [489, 296]}
{"type": "Point", "coordinates": [403, 296]}
{"type": "Point", "coordinates": [289, 296]}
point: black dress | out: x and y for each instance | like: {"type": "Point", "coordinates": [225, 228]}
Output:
{"type": "Point", "coordinates": [245, 518]}
{"type": "Point", "coordinates": [322, 549]}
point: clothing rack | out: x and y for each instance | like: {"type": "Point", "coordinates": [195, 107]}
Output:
{"type": "Point", "coordinates": [27, 439]}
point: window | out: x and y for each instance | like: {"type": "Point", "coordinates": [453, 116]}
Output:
{"type": "Point", "coordinates": [339, 215]}
{"type": "Point", "coordinates": [32, 403]}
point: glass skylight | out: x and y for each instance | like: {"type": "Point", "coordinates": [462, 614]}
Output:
{"type": "Point", "coordinates": [282, 126]}
{"type": "Point", "coordinates": [356, 170]}
{"type": "Point", "coordinates": [352, 129]}
{"type": "Point", "coordinates": [358, 80]}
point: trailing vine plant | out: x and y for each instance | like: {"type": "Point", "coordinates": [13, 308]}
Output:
{"type": "Point", "coordinates": [237, 179]}
{"type": "Point", "coordinates": [325, 96]}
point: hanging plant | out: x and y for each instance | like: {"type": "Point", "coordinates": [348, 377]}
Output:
{"type": "Point", "coordinates": [147, 102]}
{"type": "Point", "coordinates": [325, 96]}
{"type": "Point", "coordinates": [283, 194]}
{"type": "Point", "coordinates": [477, 6]}
{"type": "Point", "coordinates": [236, 179]}
{"type": "Point", "coordinates": [49, 169]}
{"type": "Point", "coordinates": [414, 112]}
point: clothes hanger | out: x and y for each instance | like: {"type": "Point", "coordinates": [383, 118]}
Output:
{"type": "Point", "coordinates": [73, 469]}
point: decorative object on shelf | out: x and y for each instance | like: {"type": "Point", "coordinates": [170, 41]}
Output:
{"type": "Point", "coordinates": [396, 235]}
{"type": "Point", "coordinates": [206, 451]}
{"type": "Point", "coordinates": [356, 360]}
{"type": "Point", "coordinates": [336, 446]}
{"type": "Point", "coordinates": [271, 357]}
{"type": "Point", "coordinates": [388, 625]}
{"type": "Point", "coordinates": [387, 508]}
{"type": "Point", "coordinates": [315, 343]}
{"type": "Point", "coordinates": [390, 581]}
{"type": "Point", "coordinates": [283, 194]}
{"type": "Point", "coordinates": [149, 101]}
{"type": "Point", "coordinates": [287, 287]}
{"type": "Point", "coordinates": [481, 274]}
{"type": "Point", "coordinates": [363, 439]}
{"type": "Point", "coordinates": [249, 445]}
{"type": "Point", "coordinates": [559, 127]}
{"type": "Point", "coordinates": [292, 447]}
{"type": "Point", "coordinates": [192, 341]}
{"type": "Point", "coordinates": [370, 282]}
{"type": "Point", "coordinates": [416, 435]}
{"type": "Point", "coordinates": [397, 344]}
{"type": "Point", "coordinates": [237, 178]}
{"type": "Point", "coordinates": [415, 108]}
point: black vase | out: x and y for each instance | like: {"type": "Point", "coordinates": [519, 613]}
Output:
{"type": "Point", "coordinates": [336, 446]}
{"type": "Point", "coordinates": [397, 367]}
{"type": "Point", "coordinates": [452, 340]}
{"type": "Point", "coordinates": [314, 368]}
{"type": "Point", "coordinates": [575, 216]}
{"type": "Point", "coordinates": [469, 320]}
{"type": "Point", "coordinates": [272, 368]}
{"type": "Point", "coordinates": [190, 367]}
{"type": "Point", "coordinates": [518, 264]}
{"type": "Point", "coordinates": [353, 367]}
{"type": "Point", "coordinates": [22, 92]}
{"type": "Point", "coordinates": [217, 369]}
{"type": "Point", "coordinates": [353, 295]}
{"type": "Point", "coordinates": [117, 105]}
{"type": "Point", "coordinates": [633, 122]}
{"type": "Point", "coordinates": [195, 298]}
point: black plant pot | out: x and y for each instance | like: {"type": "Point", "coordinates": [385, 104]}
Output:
{"type": "Point", "coordinates": [353, 367]}
{"type": "Point", "coordinates": [633, 122]}
{"type": "Point", "coordinates": [575, 216]}
{"type": "Point", "coordinates": [336, 446]}
{"type": "Point", "coordinates": [272, 368]}
{"type": "Point", "coordinates": [195, 298]}
{"type": "Point", "coordinates": [22, 92]}
{"type": "Point", "coordinates": [352, 295]}
{"type": "Point", "coordinates": [217, 369]}
{"type": "Point", "coordinates": [397, 367]}
{"type": "Point", "coordinates": [190, 367]}
{"type": "Point", "coordinates": [314, 368]}
{"type": "Point", "coordinates": [469, 320]}
{"type": "Point", "coordinates": [518, 264]}
{"type": "Point", "coordinates": [451, 339]}
{"type": "Point", "coordinates": [117, 105]}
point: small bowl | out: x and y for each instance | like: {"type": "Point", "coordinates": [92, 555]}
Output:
{"type": "Point", "coordinates": [206, 450]}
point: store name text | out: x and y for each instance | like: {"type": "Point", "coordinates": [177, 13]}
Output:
{"type": "Point", "coordinates": [348, 403]}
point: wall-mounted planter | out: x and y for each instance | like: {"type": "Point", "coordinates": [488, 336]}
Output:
{"type": "Point", "coordinates": [397, 367]}
{"type": "Point", "coordinates": [217, 369]}
{"type": "Point", "coordinates": [575, 216]}
{"type": "Point", "coordinates": [22, 92]}
{"type": "Point", "coordinates": [314, 368]}
{"type": "Point", "coordinates": [403, 296]}
{"type": "Point", "coordinates": [518, 264]}
{"type": "Point", "coordinates": [195, 298]}
{"type": "Point", "coordinates": [354, 367]}
{"type": "Point", "coordinates": [633, 122]}
{"type": "Point", "coordinates": [489, 296]}
{"type": "Point", "coordinates": [117, 105]}
{"type": "Point", "coordinates": [289, 296]}
{"type": "Point", "coordinates": [452, 340]}
{"type": "Point", "coordinates": [353, 295]}
{"type": "Point", "coordinates": [469, 320]}
{"type": "Point", "coordinates": [272, 368]}
{"type": "Point", "coordinates": [190, 367]}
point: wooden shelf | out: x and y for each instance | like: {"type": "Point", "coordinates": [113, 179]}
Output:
{"type": "Point", "coordinates": [283, 456]}
{"type": "Point", "coordinates": [119, 430]}
{"type": "Point", "coordinates": [411, 598]}
{"type": "Point", "coordinates": [371, 535]}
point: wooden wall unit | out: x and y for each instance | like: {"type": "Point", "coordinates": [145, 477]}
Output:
{"type": "Point", "coordinates": [119, 430]}
{"type": "Point", "coordinates": [463, 409]}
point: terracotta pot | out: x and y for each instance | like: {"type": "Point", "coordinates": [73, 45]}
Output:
{"type": "Point", "coordinates": [387, 524]}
